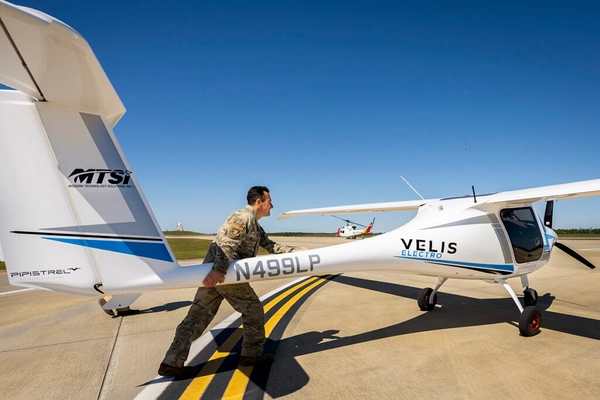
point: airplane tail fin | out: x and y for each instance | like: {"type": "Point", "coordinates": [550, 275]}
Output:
{"type": "Point", "coordinates": [72, 215]}
{"type": "Point", "coordinates": [368, 230]}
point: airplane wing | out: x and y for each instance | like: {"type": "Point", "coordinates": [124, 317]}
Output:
{"type": "Point", "coordinates": [523, 196]}
{"type": "Point", "coordinates": [546, 193]}
{"type": "Point", "coordinates": [411, 205]}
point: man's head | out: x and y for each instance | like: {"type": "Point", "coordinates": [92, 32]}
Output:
{"type": "Point", "coordinates": [260, 200]}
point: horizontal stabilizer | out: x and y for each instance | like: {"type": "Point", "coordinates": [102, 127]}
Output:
{"type": "Point", "coordinates": [48, 60]}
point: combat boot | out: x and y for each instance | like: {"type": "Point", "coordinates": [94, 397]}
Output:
{"type": "Point", "coordinates": [260, 361]}
{"type": "Point", "coordinates": [178, 372]}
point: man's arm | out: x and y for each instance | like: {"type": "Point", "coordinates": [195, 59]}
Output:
{"type": "Point", "coordinates": [275, 248]}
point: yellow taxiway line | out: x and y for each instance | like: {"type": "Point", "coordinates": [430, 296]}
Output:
{"type": "Point", "coordinates": [241, 376]}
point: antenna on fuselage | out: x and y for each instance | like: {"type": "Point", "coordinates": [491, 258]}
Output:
{"type": "Point", "coordinates": [415, 190]}
{"type": "Point", "coordinates": [474, 197]}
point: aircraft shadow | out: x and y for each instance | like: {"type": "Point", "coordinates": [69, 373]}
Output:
{"type": "Point", "coordinates": [287, 376]}
{"type": "Point", "coordinates": [453, 315]}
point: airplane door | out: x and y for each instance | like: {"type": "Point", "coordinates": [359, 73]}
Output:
{"type": "Point", "coordinates": [524, 233]}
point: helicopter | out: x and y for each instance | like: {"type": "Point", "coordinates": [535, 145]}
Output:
{"type": "Point", "coordinates": [350, 231]}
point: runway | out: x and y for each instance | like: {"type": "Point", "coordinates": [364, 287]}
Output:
{"type": "Point", "coordinates": [358, 335]}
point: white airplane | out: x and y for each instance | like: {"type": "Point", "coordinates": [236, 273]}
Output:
{"type": "Point", "coordinates": [350, 231]}
{"type": "Point", "coordinates": [491, 238]}
{"type": "Point", "coordinates": [73, 217]}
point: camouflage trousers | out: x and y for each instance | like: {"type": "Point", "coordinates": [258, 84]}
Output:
{"type": "Point", "coordinates": [242, 298]}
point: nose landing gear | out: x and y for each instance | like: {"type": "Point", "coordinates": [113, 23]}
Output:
{"type": "Point", "coordinates": [531, 317]}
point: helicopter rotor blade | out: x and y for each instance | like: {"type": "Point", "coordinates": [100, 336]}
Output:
{"type": "Point", "coordinates": [349, 221]}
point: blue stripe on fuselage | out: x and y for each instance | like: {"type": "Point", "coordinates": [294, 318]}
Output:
{"type": "Point", "coordinates": [157, 251]}
{"type": "Point", "coordinates": [502, 268]}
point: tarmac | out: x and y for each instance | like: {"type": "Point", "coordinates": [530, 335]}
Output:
{"type": "Point", "coordinates": [358, 335]}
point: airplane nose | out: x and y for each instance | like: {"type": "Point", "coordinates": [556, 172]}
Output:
{"type": "Point", "coordinates": [552, 236]}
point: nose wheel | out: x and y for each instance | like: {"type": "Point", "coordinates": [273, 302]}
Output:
{"type": "Point", "coordinates": [530, 321]}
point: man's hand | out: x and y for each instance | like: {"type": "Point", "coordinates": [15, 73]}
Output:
{"type": "Point", "coordinates": [213, 278]}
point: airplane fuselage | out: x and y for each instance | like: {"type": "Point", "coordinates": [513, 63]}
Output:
{"type": "Point", "coordinates": [464, 242]}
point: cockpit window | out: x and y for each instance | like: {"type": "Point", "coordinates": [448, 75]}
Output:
{"type": "Point", "coordinates": [524, 233]}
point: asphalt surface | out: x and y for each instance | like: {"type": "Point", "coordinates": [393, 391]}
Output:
{"type": "Point", "coordinates": [357, 335]}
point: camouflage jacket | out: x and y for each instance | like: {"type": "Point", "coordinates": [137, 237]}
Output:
{"type": "Point", "coordinates": [239, 237]}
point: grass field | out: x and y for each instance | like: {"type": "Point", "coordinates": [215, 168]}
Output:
{"type": "Point", "coordinates": [189, 249]}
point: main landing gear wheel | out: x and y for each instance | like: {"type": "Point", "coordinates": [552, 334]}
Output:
{"type": "Point", "coordinates": [530, 297]}
{"type": "Point", "coordinates": [423, 299]}
{"type": "Point", "coordinates": [530, 321]}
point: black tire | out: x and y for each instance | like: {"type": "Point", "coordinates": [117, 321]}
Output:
{"type": "Point", "coordinates": [530, 321]}
{"type": "Point", "coordinates": [530, 299]}
{"type": "Point", "coordinates": [423, 299]}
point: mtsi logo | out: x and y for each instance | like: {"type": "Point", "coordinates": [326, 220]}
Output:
{"type": "Point", "coordinates": [100, 177]}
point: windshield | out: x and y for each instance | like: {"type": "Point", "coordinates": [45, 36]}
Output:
{"type": "Point", "coordinates": [524, 233]}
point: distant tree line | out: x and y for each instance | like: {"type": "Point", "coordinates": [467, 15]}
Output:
{"type": "Point", "coordinates": [566, 232]}
{"type": "Point", "coordinates": [318, 234]}
{"type": "Point", "coordinates": [578, 231]}
{"type": "Point", "coordinates": [192, 233]}
{"type": "Point", "coordinates": [183, 233]}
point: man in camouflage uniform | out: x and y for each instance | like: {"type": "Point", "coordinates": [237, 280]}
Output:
{"type": "Point", "coordinates": [238, 238]}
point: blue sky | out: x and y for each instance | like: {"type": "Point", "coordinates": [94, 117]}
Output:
{"type": "Point", "coordinates": [329, 102]}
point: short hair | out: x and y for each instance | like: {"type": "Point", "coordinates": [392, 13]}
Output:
{"type": "Point", "coordinates": [255, 193]}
